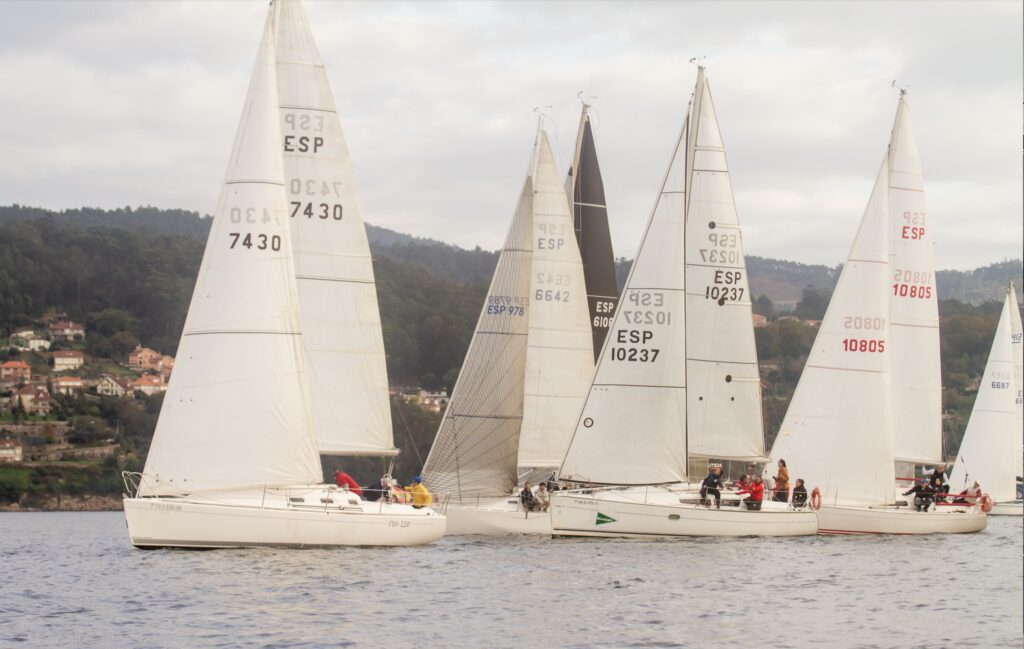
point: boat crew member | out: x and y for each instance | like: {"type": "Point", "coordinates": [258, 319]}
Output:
{"type": "Point", "coordinates": [712, 486]}
{"type": "Point", "coordinates": [420, 495]}
{"type": "Point", "coordinates": [940, 483]}
{"type": "Point", "coordinates": [345, 481]}
{"type": "Point", "coordinates": [756, 491]}
{"type": "Point", "coordinates": [526, 498]}
{"type": "Point", "coordinates": [782, 483]}
{"type": "Point", "coordinates": [542, 497]}
{"type": "Point", "coordinates": [799, 494]}
{"type": "Point", "coordinates": [923, 494]}
{"type": "Point", "coordinates": [970, 495]}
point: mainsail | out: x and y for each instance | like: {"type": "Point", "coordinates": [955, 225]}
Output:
{"type": "Point", "coordinates": [339, 317]}
{"type": "Point", "coordinates": [530, 360]}
{"type": "Point", "coordinates": [236, 412]}
{"type": "Point", "coordinates": [913, 310]}
{"type": "Point", "coordinates": [990, 452]}
{"type": "Point", "coordinates": [590, 220]}
{"type": "Point", "coordinates": [837, 432]}
{"type": "Point", "coordinates": [724, 386]}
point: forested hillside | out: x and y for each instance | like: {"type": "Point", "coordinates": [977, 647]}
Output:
{"type": "Point", "coordinates": [128, 276]}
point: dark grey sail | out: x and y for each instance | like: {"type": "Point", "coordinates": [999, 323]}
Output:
{"type": "Point", "coordinates": [590, 219]}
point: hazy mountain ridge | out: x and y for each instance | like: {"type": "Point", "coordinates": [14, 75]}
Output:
{"type": "Point", "coordinates": [782, 281]}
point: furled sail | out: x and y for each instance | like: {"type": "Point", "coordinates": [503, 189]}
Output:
{"type": "Point", "coordinates": [914, 311]}
{"type": "Point", "coordinates": [559, 355]}
{"type": "Point", "coordinates": [991, 450]}
{"type": "Point", "coordinates": [590, 220]}
{"type": "Point", "coordinates": [837, 432]}
{"type": "Point", "coordinates": [633, 426]}
{"type": "Point", "coordinates": [477, 445]}
{"type": "Point", "coordinates": [236, 412]}
{"type": "Point", "coordinates": [338, 299]}
{"type": "Point", "coordinates": [723, 382]}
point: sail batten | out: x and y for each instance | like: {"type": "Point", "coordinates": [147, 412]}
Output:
{"type": "Point", "coordinates": [337, 293]}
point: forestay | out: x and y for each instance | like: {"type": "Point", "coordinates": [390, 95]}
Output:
{"type": "Point", "coordinates": [990, 450]}
{"type": "Point", "coordinates": [477, 445]}
{"type": "Point", "coordinates": [560, 356]}
{"type": "Point", "coordinates": [339, 314]}
{"type": "Point", "coordinates": [236, 411]}
{"type": "Point", "coordinates": [914, 312]}
{"type": "Point", "coordinates": [633, 426]}
{"type": "Point", "coordinates": [724, 388]}
{"type": "Point", "coordinates": [590, 220]}
{"type": "Point", "coordinates": [837, 432]}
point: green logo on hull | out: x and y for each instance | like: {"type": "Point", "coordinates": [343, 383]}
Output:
{"type": "Point", "coordinates": [602, 519]}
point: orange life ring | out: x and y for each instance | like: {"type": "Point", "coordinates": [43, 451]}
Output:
{"type": "Point", "coordinates": [816, 499]}
{"type": "Point", "coordinates": [986, 503]}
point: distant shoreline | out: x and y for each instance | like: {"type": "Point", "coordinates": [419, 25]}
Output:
{"type": "Point", "coordinates": [65, 503]}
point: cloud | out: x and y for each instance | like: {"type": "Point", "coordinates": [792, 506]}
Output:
{"type": "Point", "coordinates": [136, 103]}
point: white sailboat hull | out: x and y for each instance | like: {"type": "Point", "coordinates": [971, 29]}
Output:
{"type": "Point", "coordinates": [839, 519]}
{"type": "Point", "coordinates": [254, 519]}
{"type": "Point", "coordinates": [1015, 508]}
{"type": "Point", "coordinates": [611, 514]}
{"type": "Point", "coordinates": [495, 517]}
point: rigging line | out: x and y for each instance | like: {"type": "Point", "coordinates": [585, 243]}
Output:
{"type": "Point", "coordinates": [408, 432]}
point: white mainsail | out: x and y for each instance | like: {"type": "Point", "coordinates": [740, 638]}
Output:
{"type": "Point", "coordinates": [724, 387]}
{"type": "Point", "coordinates": [477, 445]}
{"type": "Point", "coordinates": [990, 450]}
{"type": "Point", "coordinates": [633, 426]}
{"type": "Point", "coordinates": [236, 411]}
{"type": "Point", "coordinates": [560, 352]}
{"type": "Point", "coordinates": [914, 311]}
{"type": "Point", "coordinates": [1017, 337]}
{"type": "Point", "coordinates": [837, 432]}
{"type": "Point", "coordinates": [340, 319]}
{"type": "Point", "coordinates": [530, 361]}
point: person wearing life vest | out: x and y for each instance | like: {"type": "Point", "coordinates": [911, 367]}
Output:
{"type": "Point", "coordinates": [756, 491]}
{"type": "Point", "coordinates": [344, 480]}
{"type": "Point", "coordinates": [420, 495]}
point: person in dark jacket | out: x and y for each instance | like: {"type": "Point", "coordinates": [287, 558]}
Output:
{"type": "Point", "coordinates": [712, 486]}
{"type": "Point", "coordinates": [375, 491]}
{"type": "Point", "coordinates": [923, 495]}
{"type": "Point", "coordinates": [526, 498]}
{"type": "Point", "coordinates": [939, 484]}
{"type": "Point", "coordinates": [799, 494]}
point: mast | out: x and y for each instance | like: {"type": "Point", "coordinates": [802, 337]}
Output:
{"type": "Point", "coordinates": [340, 318]}
{"type": "Point", "coordinates": [236, 412]}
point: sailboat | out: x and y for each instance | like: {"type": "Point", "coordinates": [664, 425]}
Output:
{"type": "Point", "coordinates": [991, 450]}
{"type": "Point", "coordinates": [235, 459]}
{"type": "Point", "coordinates": [526, 371]}
{"type": "Point", "coordinates": [590, 221]}
{"type": "Point", "coordinates": [838, 433]}
{"type": "Point", "coordinates": [675, 375]}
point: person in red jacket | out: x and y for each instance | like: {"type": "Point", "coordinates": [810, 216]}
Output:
{"type": "Point", "coordinates": [343, 480]}
{"type": "Point", "coordinates": [756, 491]}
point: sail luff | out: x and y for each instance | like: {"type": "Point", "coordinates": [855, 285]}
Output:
{"type": "Point", "coordinates": [990, 448]}
{"type": "Point", "coordinates": [724, 418]}
{"type": "Point", "coordinates": [339, 312]}
{"type": "Point", "coordinates": [236, 412]}
{"type": "Point", "coordinates": [914, 314]}
{"type": "Point", "coordinates": [1017, 339]}
{"type": "Point", "coordinates": [585, 189]}
{"type": "Point", "coordinates": [632, 429]}
{"type": "Point", "coordinates": [837, 432]}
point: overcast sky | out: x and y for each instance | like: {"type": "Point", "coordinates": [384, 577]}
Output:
{"type": "Point", "coordinates": [129, 103]}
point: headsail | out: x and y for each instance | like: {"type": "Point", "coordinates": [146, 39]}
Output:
{"type": "Point", "coordinates": [633, 426]}
{"type": "Point", "coordinates": [990, 449]}
{"type": "Point", "coordinates": [1017, 336]}
{"type": "Point", "coordinates": [837, 433]}
{"type": "Point", "coordinates": [477, 445]}
{"type": "Point", "coordinates": [914, 311]}
{"type": "Point", "coordinates": [339, 313]}
{"type": "Point", "coordinates": [724, 386]}
{"type": "Point", "coordinates": [236, 412]}
{"type": "Point", "coordinates": [590, 220]}
{"type": "Point", "coordinates": [559, 356]}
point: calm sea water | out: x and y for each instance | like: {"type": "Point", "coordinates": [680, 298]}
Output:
{"type": "Point", "coordinates": [72, 580]}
